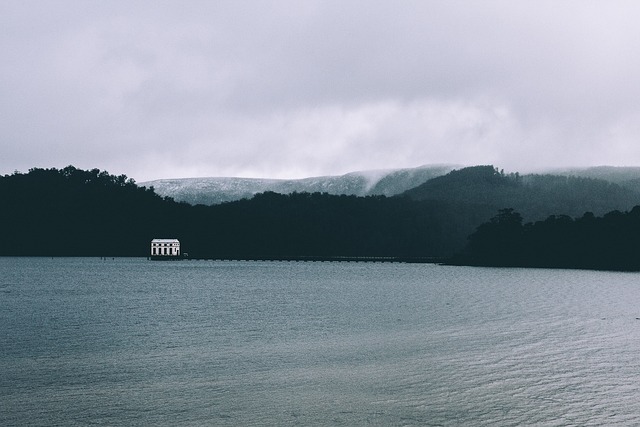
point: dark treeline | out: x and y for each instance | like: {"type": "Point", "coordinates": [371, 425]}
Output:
{"type": "Point", "coordinates": [72, 212]}
{"type": "Point", "coordinates": [315, 224]}
{"type": "Point", "coordinates": [76, 212]}
{"type": "Point", "coordinates": [609, 242]}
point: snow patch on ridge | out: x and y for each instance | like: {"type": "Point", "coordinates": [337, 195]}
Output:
{"type": "Point", "coordinates": [217, 190]}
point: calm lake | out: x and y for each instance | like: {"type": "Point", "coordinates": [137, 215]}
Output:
{"type": "Point", "coordinates": [130, 342]}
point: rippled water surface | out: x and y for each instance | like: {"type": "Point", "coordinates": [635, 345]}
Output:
{"type": "Point", "coordinates": [133, 342]}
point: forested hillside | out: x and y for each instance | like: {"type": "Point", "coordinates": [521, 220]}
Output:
{"type": "Point", "coordinates": [92, 213]}
{"type": "Point", "coordinates": [75, 212]}
{"type": "Point", "coordinates": [534, 196]}
{"type": "Point", "coordinates": [72, 212]}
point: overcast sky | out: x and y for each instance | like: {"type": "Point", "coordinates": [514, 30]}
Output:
{"type": "Point", "coordinates": [290, 89]}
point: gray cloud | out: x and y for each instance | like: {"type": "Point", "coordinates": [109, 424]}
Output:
{"type": "Point", "coordinates": [300, 88]}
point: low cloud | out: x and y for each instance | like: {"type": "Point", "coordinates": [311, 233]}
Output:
{"type": "Point", "coordinates": [293, 89]}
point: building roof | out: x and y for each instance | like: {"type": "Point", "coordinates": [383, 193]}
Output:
{"type": "Point", "coordinates": [165, 241]}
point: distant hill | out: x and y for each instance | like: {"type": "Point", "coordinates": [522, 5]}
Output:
{"type": "Point", "coordinates": [534, 196]}
{"type": "Point", "coordinates": [211, 191]}
{"type": "Point", "coordinates": [626, 176]}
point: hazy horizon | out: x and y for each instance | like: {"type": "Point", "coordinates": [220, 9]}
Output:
{"type": "Point", "coordinates": [381, 171]}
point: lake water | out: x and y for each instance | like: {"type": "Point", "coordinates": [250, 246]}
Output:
{"type": "Point", "coordinates": [130, 342]}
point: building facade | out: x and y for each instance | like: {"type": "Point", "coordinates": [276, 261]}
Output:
{"type": "Point", "coordinates": [165, 248]}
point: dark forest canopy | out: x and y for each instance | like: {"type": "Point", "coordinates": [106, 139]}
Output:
{"type": "Point", "coordinates": [608, 242]}
{"type": "Point", "coordinates": [76, 212]}
{"type": "Point", "coordinates": [73, 212]}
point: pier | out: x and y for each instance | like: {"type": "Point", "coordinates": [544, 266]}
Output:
{"type": "Point", "coordinates": [302, 258]}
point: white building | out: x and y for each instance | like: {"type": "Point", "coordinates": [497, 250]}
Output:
{"type": "Point", "coordinates": [165, 248]}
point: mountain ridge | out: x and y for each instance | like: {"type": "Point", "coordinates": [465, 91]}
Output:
{"type": "Point", "coordinates": [216, 190]}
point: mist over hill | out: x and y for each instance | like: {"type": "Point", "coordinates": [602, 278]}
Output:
{"type": "Point", "coordinates": [626, 176]}
{"type": "Point", "coordinates": [216, 190]}
{"type": "Point", "coordinates": [390, 182]}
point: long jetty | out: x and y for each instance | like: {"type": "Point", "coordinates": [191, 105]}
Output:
{"type": "Point", "coordinates": [398, 259]}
